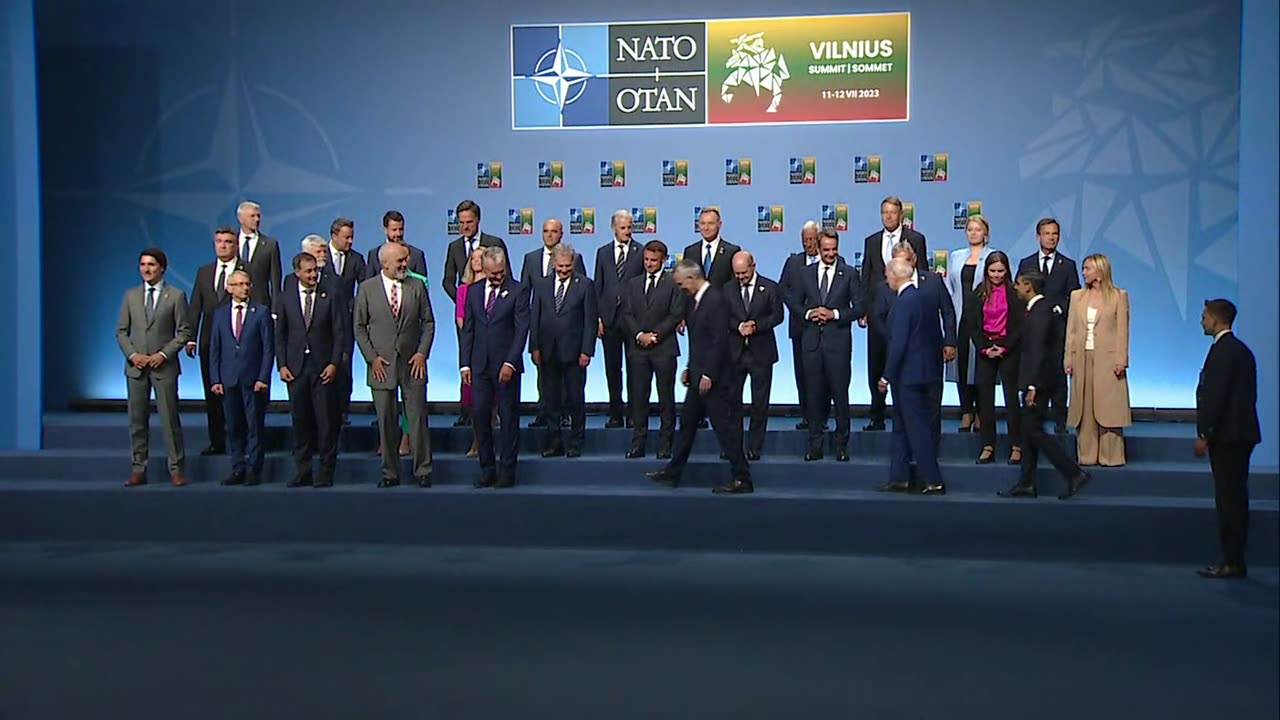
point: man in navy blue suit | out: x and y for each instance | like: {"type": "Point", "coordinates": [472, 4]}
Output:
{"type": "Point", "coordinates": [913, 367]}
{"type": "Point", "coordinates": [240, 357]}
{"type": "Point", "coordinates": [829, 300]}
{"type": "Point", "coordinates": [709, 379]}
{"type": "Point", "coordinates": [311, 331]}
{"type": "Point", "coordinates": [495, 324]}
{"type": "Point", "coordinates": [538, 268]}
{"type": "Point", "coordinates": [562, 339]}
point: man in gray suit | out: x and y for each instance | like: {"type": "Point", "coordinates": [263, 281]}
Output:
{"type": "Point", "coordinates": [394, 328]}
{"type": "Point", "coordinates": [151, 331]}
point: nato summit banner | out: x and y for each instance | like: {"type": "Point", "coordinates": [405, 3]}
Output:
{"type": "Point", "coordinates": [751, 71]}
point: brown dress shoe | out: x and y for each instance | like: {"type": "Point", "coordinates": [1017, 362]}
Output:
{"type": "Point", "coordinates": [176, 477]}
{"type": "Point", "coordinates": [136, 478]}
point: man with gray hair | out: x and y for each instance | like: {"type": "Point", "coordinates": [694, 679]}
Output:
{"type": "Point", "coordinates": [539, 266]}
{"type": "Point", "coordinates": [314, 245]}
{"type": "Point", "coordinates": [791, 284]}
{"type": "Point", "coordinates": [616, 262]}
{"type": "Point", "coordinates": [562, 340]}
{"type": "Point", "coordinates": [259, 253]}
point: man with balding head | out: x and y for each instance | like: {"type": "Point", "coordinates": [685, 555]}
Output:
{"type": "Point", "coordinates": [537, 270]}
{"type": "Point", "coordinates": [755, 309]}
{"type": "Point", "coordinates": [394, 327]}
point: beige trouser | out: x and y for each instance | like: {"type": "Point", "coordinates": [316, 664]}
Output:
{"type": "Point", "coordinates": [1095, 445]}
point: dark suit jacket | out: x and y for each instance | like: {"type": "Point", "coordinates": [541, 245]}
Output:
{"type": "Point", "coordinates": [455, 262]}
{"type": "Point", "coordinates": [935, 290]}
{"type": "Point", "coordinates": [791, 285]}
{"type": "Point", "coordinates": [971, 323]}
{"type": "Point", "coordinates": [569, 333]}
{"type": "Point", "coordinates": [204, 300]}
{"type": "Point", "coordinates": [233, 363]}
{"type": "Point", "coordinates": [914, 342]}
{"type": "Point", "coordinates": [709, 338]}
{"type": "Point", "coordinates": [1063, 278]}
{"type": "Point", "coordinates": [660, 312]}
{"type": "Point", "coordinates": [608, 285]}
{"type": "Point", "coordinates": [873, 260]}
{"type": "Point", "coordinates": [1041, 338]}
{"type": "Point", "coordinates": [721, 266]}
{"type": "Point", "coordinates": [354, 271]}
{"type": "Point", "coordinates": [327, 336]}
{"type": "Point", "coordinates": [531, 270]}
{"type": "Point", "coordinates": [1227, 395]}
{"type": "Point", "coordinates": [372, 268]}
{"type": "Point", "coordinates": [264, 270]}
{"type": "Point", "coordinates": [766, 310]}
{"type": "Point", "coordinates": [845, 297]}
{"type": "Point", "coordinates": [487, 343]}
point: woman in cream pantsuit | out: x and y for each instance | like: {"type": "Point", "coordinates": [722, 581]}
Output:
{"type": "Point", "coordinates": [1097, 359]}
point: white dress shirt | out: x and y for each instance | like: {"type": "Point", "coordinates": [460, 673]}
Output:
{"type": "Point", "coordinates": [811, 259]}
{"type": "Point", "coordinates": [253, 244]}
{"type": "Point", "coordinates": [753, 286]}
{"type": "Point", "coordinates": [702, 249]}
{"type": "Point", "coordinates": [831, 275]}
{"type": "Point", "coordinates": [339, 259]}
{"type": "Point", "coordinates": [621, 250]}
{"type": "Point", "coordinates": [387, 284]}
{"type": "Point", "coordinates": [888, 240]}
{"type": "Point", "coordinates": [546, 261]}
{"type": "Point", "coordinates": [1218, 335]}
{"type": "Point", "coordinates": [223, 270]}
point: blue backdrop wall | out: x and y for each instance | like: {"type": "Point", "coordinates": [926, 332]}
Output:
{"type": "Point", "coordinates": [157, 117]}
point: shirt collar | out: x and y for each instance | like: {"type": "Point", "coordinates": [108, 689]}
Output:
{"type": "Point", "coordinates": [713, 241]}
{"type": "Point", "coordinates": [303, 291]}
{"type": "Point", "coordinates": [755, 278]}
{"type": "Point", "coordinates": [333, 251]}
{"type": "Point", "coordinates": [158, 286]}
{"type": "Point", "coordinates": [1044, 254]}
{"type": "Point", "coordinates": [697, 297]}
{"type": "Point", "coordinates": [236, 304]}
{"type": "Point", "coordinates": [622, 243]}
{"type": "Point", "coordinates": [1218, 336]}
{"type": "Point", "coordinates": [893, 233]}
{"type": "Point", "coordinates": [1032, 302]}
{"type": "Point", "coordinates": [250, 235]}
{"type": "Point", "coordinates": [822, 264]}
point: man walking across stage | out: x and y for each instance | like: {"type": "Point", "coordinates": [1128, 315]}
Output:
{"type": "Point", "coordinates": [1227, 429]}
{"type": "Point", "coordinates": [708, 379]}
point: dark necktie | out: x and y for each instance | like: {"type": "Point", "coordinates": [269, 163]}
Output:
{"type": "Point", "coordinates": [150, 307]}
{"type": "Point", "coordinates": [706, 261]}
{"type": "Point", "coordinates": [220, 287]}
{"type": "Point", "coordinates": [308, 306]}
{"type": "Point", "coordinates": [546, 263]}
{"type": "Point", "coordinates": [339, 259]}
{"type": "Point", "coordinates": [239, 326]}
{"type": "Point", "coordinates": [622, 260]}
{"type": "Point", "coordinates": [488, 304]}
{"type": "Point", "coordinates": [244, 250]}
{"type": "Point", "coordinates": [653, 281]}
{"type": "Point", "coordinates": [825, 286]}
{"type": "Point", "coordinates": [746, 296]}
{"type": "Point", "coordinates": [471, 246]}
{"type": "Point", "coordinates": [560, 291]}
{"type": "Point", "coordinates": [1044, 264]}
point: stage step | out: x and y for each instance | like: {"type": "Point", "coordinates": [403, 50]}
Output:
{"type": "Point", "coordinates": [1089, 528]}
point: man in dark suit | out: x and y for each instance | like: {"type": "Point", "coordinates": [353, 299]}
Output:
{"type": "Point", "coordinates": [652, 308]}
{"type": "Point", "coordinates": [708, 379]}
{"type": "Point", "coordinates": [1061, 278]}
{"type": "Point", "coordinates": [755, 309]}
{"type": "Point", "coordinates": [241, 353]}
{"type": "Point", "coordinates": [913, 368]}
{"type": "Point", "coordinates": [394, 328]}
{"type": "Point", "coordinates": [712, 251]}
{"type": "Point", "coordinates": [562, 339]}
{"type": "Point", "coordinates": [311, 329]}
{"type": "Point", "coordinates": [208, 293]}
{"type": "Point", "coordinates": [260, 255]}
{"type": "Point", "coordinates": [151, 331]}
{"type": "Point", "coordinates": [1227, 429]}
{"type": "Point", "coordinates": [393, 229]}
{"type": "Point", "coordinates": [616, 263]}
{"type": "Point", "coordinates": [790, 285]}
{"type": "Point", "coordinates": [495, 325]}
{"type": "Point", "coordinates": [1039, 370]}
{"type": "Point", "coordinates": [877, 251]}
{"type": "Point", "coordinates": [829, 300]}
{"type": "Point", "coordinates": [457, 255]}
{"type": "Point", "coordinates": [939, 300]}
{"type": "Point", "coordinates": [347, 269]}
{"type": "Point", "coordinates": [538, 269]}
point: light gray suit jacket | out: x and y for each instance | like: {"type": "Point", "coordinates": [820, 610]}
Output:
{"type": "Point", "coordinates": [167, 332]}
{"type": "Point", "coordinates": [379, 333]}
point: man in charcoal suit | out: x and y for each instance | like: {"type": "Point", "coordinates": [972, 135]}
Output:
{"type": "Point", "coordinates": [616, 263]}
{"type": "Point", "coordinates": [260, 255]}
{"type": "Point", "coordinates": [562, 340]}
{"type": "Point", "coordinates": [346, 268]}
{"type": "Point", "coordinates": [713, 252]}
{"type": "Point", "coordinates": [790, 283]}
{"type": "Point", "coordinates": [652, 308]}
{"type": "Point", "coordinates": [208, 293]}
{"type": "Point", "coordinates": [393, 229]}
{"type": "Point", "coordinates": [1061, 278]}
{"type": "Point", "coordinates": [755, 309]}
{"type": "Point", "coordinates": [538, 269]}
{"type": "Point", "coordinates": [241, 354]}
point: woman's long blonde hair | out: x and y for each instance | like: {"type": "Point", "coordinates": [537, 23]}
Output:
{"type": "Point", "coordinates": [469, 275]}
{"type": "Point", "coordinates": [1102, 268]}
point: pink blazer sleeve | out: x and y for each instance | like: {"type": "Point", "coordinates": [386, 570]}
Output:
{"type": "Point", "coordinates": [462, 302]}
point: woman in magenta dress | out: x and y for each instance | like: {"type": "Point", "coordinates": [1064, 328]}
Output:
{"type": "Point", "coordinates": [474, 272]}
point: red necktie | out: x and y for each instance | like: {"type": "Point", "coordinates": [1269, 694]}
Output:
{"type": "Point", "coordinates": [239, 321]}
{"type": "Point", "coordinates": [395, 299]}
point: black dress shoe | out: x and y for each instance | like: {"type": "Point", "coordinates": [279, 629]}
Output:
{"type": "Point", "coordinates": [300, 481]}
{"type": "Point", "coordinates": [753, 455]}
{"type": "Point", "coordinates": [503, 483]}
{"type": "Point", "coordinates": [462, 421]}
{"type": "Point", "coordinates": [724, 455]}
{"type": "Point", "coordinates": [842, 455]}
{"type": "Point", "coordinates": [664, 453]}
{"type": "Point", "coordinates": [635, 452]}
{"type": "Point", "coordinates": [213, 450]}
{"type": "Point", "coordinates": [485, 481]}
{"type": "Point", "coordinates": [251, 478]}
{"type": "Point", "coordinates": [234, 478]}
{"type": "Point", "coordinates": [813, 455]}
{"type": "Point", "coordinates": [703, 424]}
{"type": "Point", "coordinates": [573, 453]}
{"type": "Point", "coordinates": [734, 487]}
{"type": "Point", "coordinates": [802, 425]}
{"type": "Point", "coordinates": [1075, 484]}
{"type": "Point", "coordinates": [1223, 572]}
{"type": "Point", "coordinates": [938, 489]}
{"type": "Point", "coordinates": [323, 482]}
{"type": "Point", "coordinates": [424, 481]}
{"type": "Point", "coordinates": [874, 426]}
{"type": "Point", "coordinates": [898, 486]}
{"type": "Point", "coordinates": [1020, 490]}
{"type": "Point", "coordinates": [662, 477]}
{"type": "Point", "coordinates": [613, 423]}
{"type": "Point", "coordinates": [553, 452]}
{"type": "Point", "coordinates": [388, 482]}
{"type": "Point", "coordinates": [537, 423]}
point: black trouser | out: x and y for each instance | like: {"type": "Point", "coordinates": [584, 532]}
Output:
{"type": "Point", "coordinates": [726, 425]}
{"type": "Point", "coordinates": [968, 392]}
{"type": "Point", "coordinates": [641, 368]}
{"type": "Point", "coordinates": [1038, 442]}
{"type": "Point", "coordinates": [498, 450]}
{"type": "Point", "coordinates": [797, 363]}
{"type": "Point", "coordinates": [612, 344]}
{"type": "Point", "coordinates": [761, 382]}
{"type": "Point", "coordinates": [213, 406]}
{"type": "Point", "coordinates": [316, 419]}
{"type": "Point", "coordinates": [1230, 466]}
{"type": "Point", "coordinates": [1006, 367]}
{"type": "Point", "coordinates": [342, 393]}
{"type": "Point", "coordinates": [877, 355]}
{"type": "Point", "coordinates": [1058, 399]}
{"type": "Point", "coordinates": [564, 385]}
{"type": "Point", "coordinates": [463, 410]}
{"type": "Point", "coordinates": [829, 375]}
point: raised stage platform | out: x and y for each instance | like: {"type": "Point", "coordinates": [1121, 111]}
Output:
{"type": "Point", "coordinates": [1159, 508]}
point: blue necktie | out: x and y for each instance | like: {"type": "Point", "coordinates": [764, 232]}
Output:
{"type": "Point", "coordinates": [706, 261]}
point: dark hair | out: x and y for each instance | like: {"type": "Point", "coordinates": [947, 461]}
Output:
{"type": "Point", "coordinates": [300, 258]}
{"type": "Point", "coordinates": [158, 254]}
{"type": "Point", "coordinates": [392, 216]}
{"type": "Point", "coordinates": [656, 246]}
{"type": "Point", "coordinates": [1047, 221]}
{"type": "Point", "coordinates": [226, 230]}
{"type": "Point", "coordinates": [997, 256]}
{"type": "Point", "coordinates": [339, 223]}
{"type": "Point", "coordinates": [829, 233]}
{"type": "Point", "coordinates": [709, 210]}
{"type": "Point", "coordinates": [468, 205]}
{"type": "Point", "coordinates": [1034, 278]}
{"type": "Point", "coordinates": [1223, 310]}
